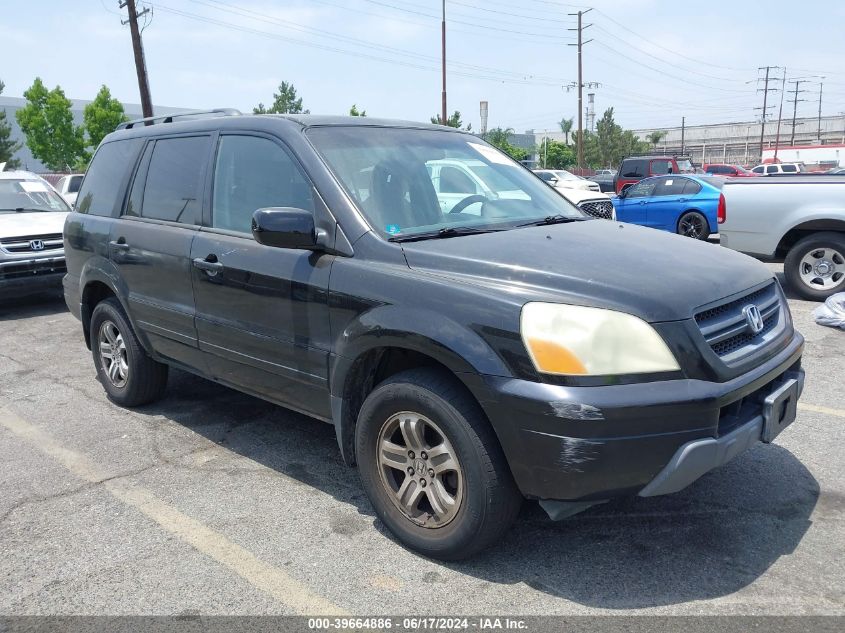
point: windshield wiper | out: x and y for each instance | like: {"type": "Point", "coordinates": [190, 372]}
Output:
{"type": "Point", "coordinates": [27, 209]}
{"type": "Point", "coordinates": [555, 219]}
{"type": "Point", "coordinates": [449, 231]}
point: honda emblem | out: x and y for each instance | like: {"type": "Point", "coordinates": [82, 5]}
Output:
{"type": "Point", "coordinates": [753, 318]}
{"type": "Point", "coordinates": [36, 245]}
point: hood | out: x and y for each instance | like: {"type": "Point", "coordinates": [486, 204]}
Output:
{"type": "Point", "coordinates": [654, 275]}
{"type": "Point", "coordinates": [31, 223]}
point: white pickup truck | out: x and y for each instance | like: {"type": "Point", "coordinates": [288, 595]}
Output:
{"type": "Point", "coordinates": [799, 220]}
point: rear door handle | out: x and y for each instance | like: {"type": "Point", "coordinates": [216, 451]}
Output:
{"type": "Point", "coordinates": [119, 245]}
{"type": "Point", "coordinates": [682, 199]}
{"type": "Point", "coordinates": [211, 267]}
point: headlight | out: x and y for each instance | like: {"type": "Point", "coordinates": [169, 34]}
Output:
{"type": "Point", "coordinates": [580, 341]}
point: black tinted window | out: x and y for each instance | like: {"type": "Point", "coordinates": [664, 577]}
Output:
{"type": "Point", "coordinates": [251, 173]}
{"type": "Point", "coordinates": [642, 189]}
{"type": "Point", "coordinates": [74, 183]}
{"type": "Point", "coordinates": [691, 187]}
{"type": "Point", "coordinates": [102, 189]}
{"type": "Point", "coordinates": [633, 168]}
{"type": "Point", "coordinates": [173, 190]}
{"type": "Point", "coordinates": [789, 169]}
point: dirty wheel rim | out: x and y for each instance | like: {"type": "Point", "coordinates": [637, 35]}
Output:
{"type": "Point", "coordinates": [822, 268]}
{"type": "Point", "coordinates": [692, 225]}
{"type": "Point", "coordinates": [112, 350]}
{"type": "Point", "coordinates": [419, 469]}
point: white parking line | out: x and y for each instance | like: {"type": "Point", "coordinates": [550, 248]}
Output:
{"type": "Point", "coordinates": [260, 574]}
{"type": "Point", "coordinates": [839, 413]}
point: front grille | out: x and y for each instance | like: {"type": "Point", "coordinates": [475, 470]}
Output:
{"type": "Point", "coordinates": [598, 209]}
{"type": "Point", "coordinates": [31, 268]}
{"type": "Point", "coordinates": [29, 243]}
{"type": "Point", "coordinates": [727, 331]}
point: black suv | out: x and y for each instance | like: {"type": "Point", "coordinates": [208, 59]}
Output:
{"type": "Point", "coordinates": [470, 350]}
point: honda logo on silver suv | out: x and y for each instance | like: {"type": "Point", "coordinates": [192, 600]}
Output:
{"type": "Point", "coordinates": [36, 245]}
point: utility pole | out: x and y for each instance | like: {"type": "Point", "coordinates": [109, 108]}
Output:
{"type": "Point", "coordinates": [765, 90]}
{"type": "Point", "coordinates": [443, 113]}
{"type": "Point", "coordinates": [580, 45]}
{"type": "Point", "coordinates": [780, 113]}
{"type": "Point", "coordinates": [683, 131]}
{"type": "Point", "coordinates": [795, 101]}
{"type": "Point", "coordinates": [138, 48]}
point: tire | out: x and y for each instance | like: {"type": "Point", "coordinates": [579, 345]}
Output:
{"type": "Point", "coordinates": [693, 224]}
{"type": "Point", "coordinates": [815, 266]}
{"type": "Point", "coordinates": [485, 498]}
{"type": "Point", "coordinates": [135, 378]}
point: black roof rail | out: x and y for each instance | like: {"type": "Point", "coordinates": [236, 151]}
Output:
{"type": "Point", "coordinates": [168, 118]}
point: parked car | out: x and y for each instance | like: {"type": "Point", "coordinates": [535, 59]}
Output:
{"type": "Point", "coordinates": [597, 204]}
{"type": "Point", "coordinates": [728, 171]}
{"type": "Point", "coordinates": [68, 187]}
{"type": "Point", "coordinates": [562, 179]}
{"type": "Point", "coordinates": [606, 180]}
{"type": "Point", "coordinates": [686, 205]}
{"type": "Point", "coordinates": [466, 360]}
{"type": "Point", "coordinates": [799, 221]}
{"type": "Point", "coordinates": [778, 169]}
{"type": "Point", "coordinates": [837, 171]}
{"type": "Point", "coordinates": [635, 168]}
{"type": "Point", "coordinates": [32, 215]}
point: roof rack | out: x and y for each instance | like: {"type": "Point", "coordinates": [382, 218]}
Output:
{"type": "Point", "coordinates": [168, 118]}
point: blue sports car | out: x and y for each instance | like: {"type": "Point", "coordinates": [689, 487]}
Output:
{"type": "Point", "coordinates": [683, 204]}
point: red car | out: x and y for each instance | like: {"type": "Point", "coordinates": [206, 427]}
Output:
{"type": "Point", "coordinates": [635, 168]}
{"type": "Point", "coordinates": [729, 171]}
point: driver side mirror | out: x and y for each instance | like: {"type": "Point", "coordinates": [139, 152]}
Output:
{"type": "Point", "coordinates": [285, 227]}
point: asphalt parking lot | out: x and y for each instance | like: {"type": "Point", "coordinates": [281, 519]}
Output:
{"type": "Point", "coordinates": [214, 502]}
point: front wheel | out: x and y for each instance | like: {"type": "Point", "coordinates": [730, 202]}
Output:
{"type": "Point", "coordinates": [432, 466]}
{"type": "Point", "coordinates": [815, 266]}
{"type": "Point", "coordinates": [693, 224]}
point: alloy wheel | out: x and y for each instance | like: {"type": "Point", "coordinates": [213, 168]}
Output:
{"type": "Point", "coordinates": [822, 268]}
{"type": "Point", "coordinates": [420, 470]}
{"type": "Point", "coordinates": [692, 225]}
{"type": "Point", "coordinates": [112, 350]}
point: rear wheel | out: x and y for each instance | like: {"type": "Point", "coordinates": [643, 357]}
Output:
{"type": "Point", "coordinates": [693, 224]}
{"type": "Point", "coordinates": [432, 467]}
{"type": "Point", "coordinates": [129, 376]}
{"type": "Point", "coordinates": [815, 266]}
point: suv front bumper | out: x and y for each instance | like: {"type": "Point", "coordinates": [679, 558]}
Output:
{"type": "Point", "coordinates": [593, 443]}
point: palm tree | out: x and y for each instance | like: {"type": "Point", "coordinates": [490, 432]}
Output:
{"type": "Point", "coordinates": [655, 137]}
{"type": "Point", "coordinates": [566, 127]}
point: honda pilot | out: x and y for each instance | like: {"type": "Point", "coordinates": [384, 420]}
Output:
{"type": "Point", "coordinates": [470, 353]}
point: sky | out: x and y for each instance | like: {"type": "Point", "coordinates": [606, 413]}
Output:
{"type": "Point", "coordinates": [654, 60]}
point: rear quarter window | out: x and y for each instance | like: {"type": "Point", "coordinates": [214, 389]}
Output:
{"type": "Point", "coordinates": [633, 168]}
{"type": "Point", "coordinates": [105, 182]}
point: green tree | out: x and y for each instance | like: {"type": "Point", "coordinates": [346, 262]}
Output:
{"type": "Point", "coordinates": [354, 111]}
{"type": "Point", "coordinates": [566, 128]}
{"type": "Point", "coordinates": [452, 121]}
{"type": "Point", "coordinates": [555, 155]}
{"type": "Point", "coordinates": [8, 147]}
{"type": "Point", "coordinates": [102, 116]}
{"type": "Point", "coordinates": [47, 123]}
{"type": "Point", "coordinates": [610, 143]}
{"type": "Point", "coordinates": [284, 102]}
{"type": "Point", "coordinates": [500, 137]}
{"type": "Point", "coordinates": [655, 137]}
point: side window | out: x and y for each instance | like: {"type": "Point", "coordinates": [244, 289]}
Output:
{"type": "Point", "coordinates": [545, 176]}
{"type": "Point", "coordinates": [73, 186]}
{"type": "Point", "coordinates": [789, 169]}
{"type": "Point", "coordinates": [757, 170]}
{"type": "Point", "coordinates": [252, 172]}
{"type": "Point", "coordinates": [670, 187]}
{"type": "Point", "coordinates": [660, 167]}
{"type": "Point", "coordinates": [691, 187]}
{"type": "Point", "coordinates": [103, 188]}
{"type": "Point", "coordinates": [173, 190]}
{"type": "Point", "coordinates": [453, 180]}
{"type": "Point", "coordinates": [634, 168]}
{"type": "Point", "coordinates": [642, 189]}
{"type": "Point", "coordinates": [772, 169]}
{"type": "Point", "coordinates": [136, 193]}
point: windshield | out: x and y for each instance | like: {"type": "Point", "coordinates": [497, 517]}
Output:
{"type": "Point", "coordinates": [409, 182]}
{"type": "Point", "coordinates": [565, 175]}
{"type": "Point", "coordinates": [29, 195]}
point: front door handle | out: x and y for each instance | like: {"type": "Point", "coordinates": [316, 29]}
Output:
{"type": "Point", "coordinates": [209, 264]}
{"type": "Point", "coordinates": [119, 245]}
{"type": "Point", "coordinates": [682, 199]}
{"type": "Point", "coordinates": [642, 201]}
